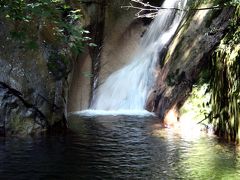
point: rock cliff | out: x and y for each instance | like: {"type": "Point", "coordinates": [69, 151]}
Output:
{"type": "Point", "coordinates": [188, 54]}
{"type": "Point", "coordinates": [32, 94]}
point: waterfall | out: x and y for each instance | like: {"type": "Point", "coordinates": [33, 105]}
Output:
{"type": "Point", "coordinates": [128, 88]}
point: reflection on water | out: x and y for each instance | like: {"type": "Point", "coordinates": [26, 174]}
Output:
{"type": "Point", "coordinates": [118, 148]}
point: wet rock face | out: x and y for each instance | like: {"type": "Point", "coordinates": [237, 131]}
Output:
{"type": "Point", "coordinates": [188, 54]}
{"type": "Point", "coordinates": [17, 115]}
{"type": "Point", "coordinates": [32, 97]}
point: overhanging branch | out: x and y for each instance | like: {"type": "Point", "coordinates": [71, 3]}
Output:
{"type": "Point", "coordinates": [150, 11]}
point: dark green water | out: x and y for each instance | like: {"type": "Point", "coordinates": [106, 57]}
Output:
{"type": "Point", "coordinates": [118, 148]}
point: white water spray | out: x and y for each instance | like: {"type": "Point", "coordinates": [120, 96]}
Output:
{"type": "Point", "coordinates": [128, 88]}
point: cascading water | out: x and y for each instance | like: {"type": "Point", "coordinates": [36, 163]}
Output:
{"type": "Point", "coordinates": [128, 88]}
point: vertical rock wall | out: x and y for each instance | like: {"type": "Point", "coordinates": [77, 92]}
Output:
{"type": "Point", "coordinates": [188, 54]}
{"type": "Point", "coordinates": [32, 97]}
{"type": "Point", "coordinates": [87, 65]}
{"type": "Point", "coordinates": [117, 33]}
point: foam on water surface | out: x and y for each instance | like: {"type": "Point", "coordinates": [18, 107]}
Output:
{"type": "Point", "coordinates": [93, 113]}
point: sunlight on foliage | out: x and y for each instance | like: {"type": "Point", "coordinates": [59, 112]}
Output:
{"type": "Point", "coordinates": [196, 107]}
{"type": "Point", "coordinates": [225, 83]}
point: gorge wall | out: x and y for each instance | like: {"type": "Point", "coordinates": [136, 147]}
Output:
{"type": "Point", "coordinates": [117, 33]}
{"type": "Point", "coordinates": [36, 93]}
{"type": "Point", "coordinates": [38, 86]}
{"type": "Point", "coordinates": [189, 53]}
{"type": "Point", "coordinates": [32, 97]}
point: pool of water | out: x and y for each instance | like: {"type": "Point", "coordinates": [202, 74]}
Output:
{"type": "Point", "coordinates": [119, 148]}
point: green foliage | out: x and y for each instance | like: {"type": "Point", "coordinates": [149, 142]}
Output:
{"type": "Point", "coordinates": [59, 14]}
{"type": "Point", "coordinates": [215, 3]}
{"type": "Point", "coordinates": [233, 2]}
{"type": "Point", "coordinates": [225, 83]}
{"type": "Point", "coordinates": [196, 107]}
